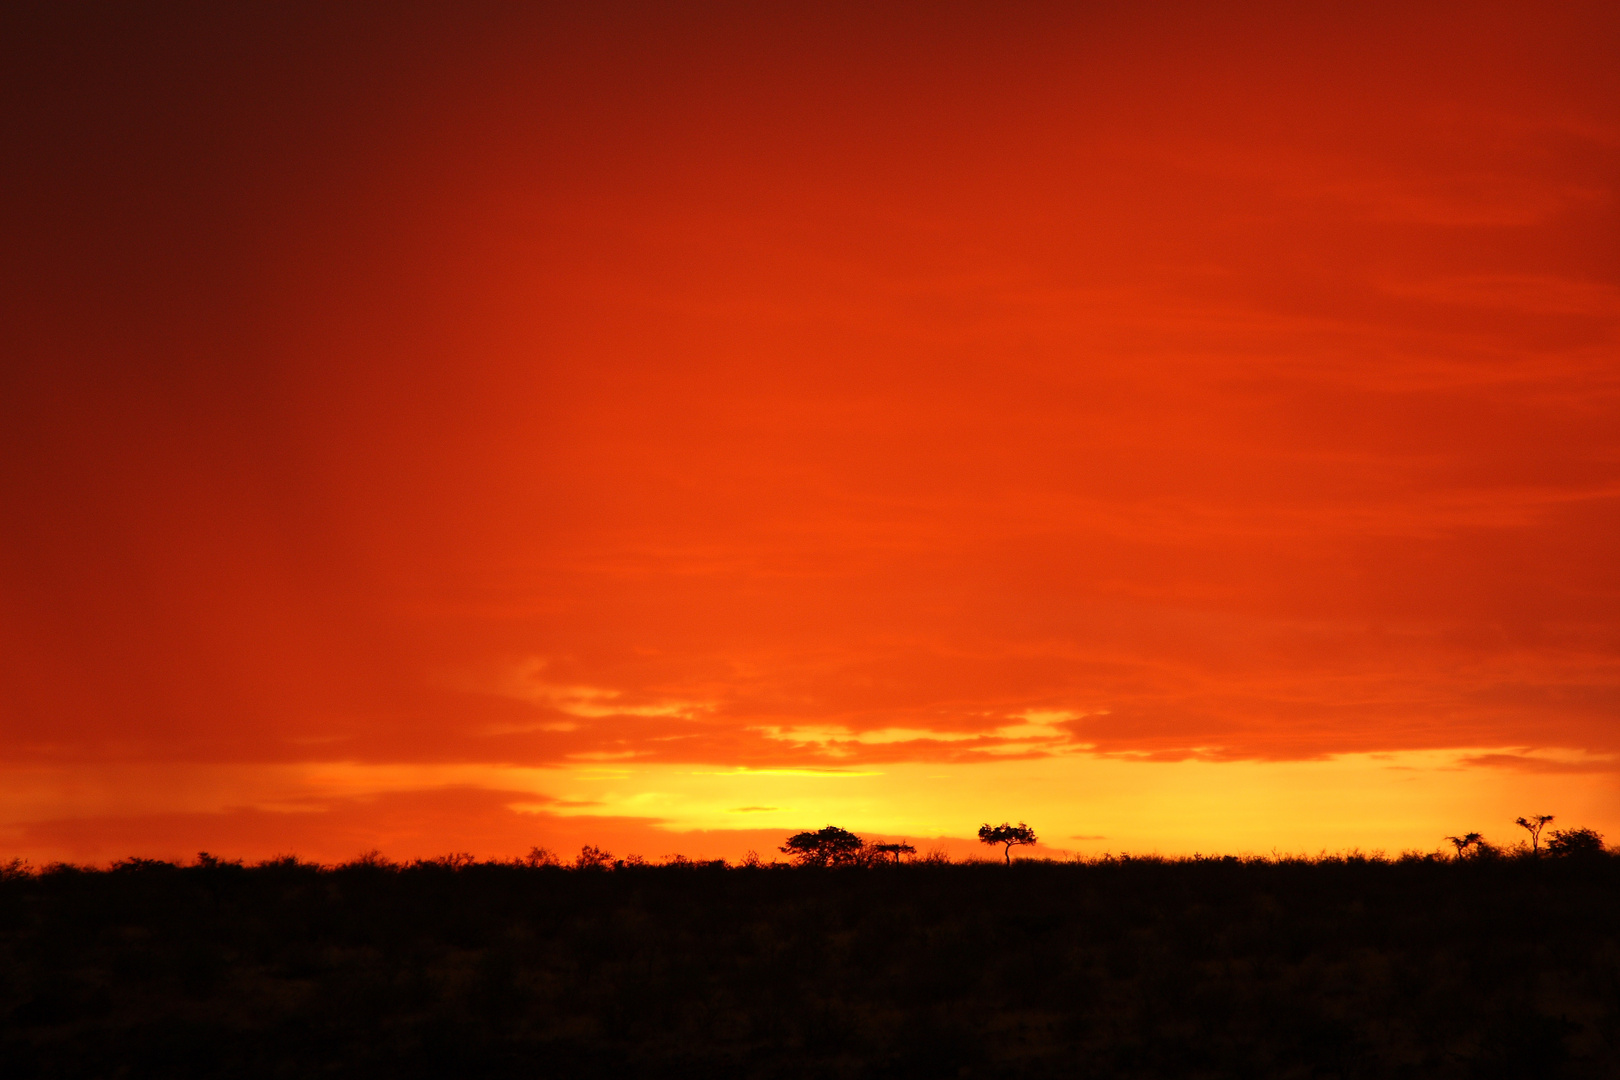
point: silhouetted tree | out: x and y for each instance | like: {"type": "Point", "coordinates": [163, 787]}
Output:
{"type": "Point", "coordinates": [1533, 825]}
{"type": "Point", "coordinates": [896, 850]}
{"type": "Point", "coordinates": [593, 858]}
{"type": "Point", "coordinates": [1464, 842]}
{"type": "Point", "coordinates": [539, 856]}
{"type": "Point", "coordinates": [1567, 842]}
{"type": "Point", "coordinates": [831, 846]}
{"type": "Point", "coordinates": [1008, 836]}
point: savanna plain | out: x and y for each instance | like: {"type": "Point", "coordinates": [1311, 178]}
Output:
{"type": "Point", "coordinates": [1487, 964]}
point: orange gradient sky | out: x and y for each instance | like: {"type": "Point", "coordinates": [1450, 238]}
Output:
{"type": "Point", "coordinates": [459, 427]}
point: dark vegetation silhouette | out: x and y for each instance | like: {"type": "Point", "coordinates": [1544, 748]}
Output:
{"type": "Point", "coordinates": [896, 850]}
{"type": "Point", "coordinates": [593, 858]}
{"type": "Point", "coordinates": [830, 846]}
{"type": "Point", "coordinates": [1533, 825]}
{"type": "Point", "coordinates": [843, 965]}
{"type": "Point", "coordinates": [1008, 836]}
{"type": "Point", "coordinates": [1465, 843]}
{"type": "Point", "coordinates": [1575, 843]}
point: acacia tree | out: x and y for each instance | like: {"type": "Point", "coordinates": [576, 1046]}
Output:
{"type": "Point", "coordinates": [1533, 825]}
{"type": "Point", "coordinates": [831, 846]}
{"type": "Point", "coordinates": [896, 850]}
{"type": "Point", "coordinates": [1464, 842]}
{"type": "Point", "coordinates": [1008, 836]}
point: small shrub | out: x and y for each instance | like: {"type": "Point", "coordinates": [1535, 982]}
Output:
{"type": "Point", "coordinates": [136, 864]}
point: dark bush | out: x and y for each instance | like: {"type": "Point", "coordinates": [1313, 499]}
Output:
{"type": "Point", "coordinates": [1575, 842]}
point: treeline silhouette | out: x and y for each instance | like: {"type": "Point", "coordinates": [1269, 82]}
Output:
{"type": "Point", "coordinates": [1345, 966]}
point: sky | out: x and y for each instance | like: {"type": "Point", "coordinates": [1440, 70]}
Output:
{"type": "Point", "coordinates": [469, 427]}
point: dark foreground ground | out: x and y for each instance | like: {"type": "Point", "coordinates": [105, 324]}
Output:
{"type": "Point", "coordinates": [1129, 969]}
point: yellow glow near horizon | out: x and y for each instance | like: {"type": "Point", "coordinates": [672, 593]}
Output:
{"type": "Point", "coordinates": [1079, 804]}
{"type": "Point", "coordinates": [1088, 804]}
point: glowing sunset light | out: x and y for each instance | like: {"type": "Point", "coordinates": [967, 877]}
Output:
{"type": "Point", "coordinates": [1180, 429]}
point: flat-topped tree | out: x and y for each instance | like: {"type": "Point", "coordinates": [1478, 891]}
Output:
{"type": "Point", "coordinates": [831, 846]}
{"type": "Point", "coordinates": [1008, 836]}
{"type": "Point", "coordinates": [1464, 842]}
{"type": "Point", "coordinates": [896, 850]}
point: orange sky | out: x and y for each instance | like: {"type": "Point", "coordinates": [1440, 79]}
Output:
{"type": "Point", "coordinates": [460, 429]}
